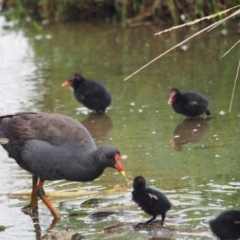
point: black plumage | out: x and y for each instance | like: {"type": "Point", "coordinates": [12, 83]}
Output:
{"type": "Point", "coordinates": [150, 200]}
{"type": "Point", "coordinates": [54, 147]}
{"type": "Point", "coordinates": [226, 226]}
{"type": "Point", "coordinates": [190, 104]}
{"type": "Point", "coordinates": [91, 94]}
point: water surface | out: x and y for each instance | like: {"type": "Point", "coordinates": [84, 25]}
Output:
{"type": "Point", "coordinates": [195, 163]}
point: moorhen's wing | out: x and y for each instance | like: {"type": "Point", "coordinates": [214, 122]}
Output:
{"type": "Point", "coordinates": [196, 97]}
{"type": "Point", "coordinates": [150, 197]}
{"type": "Point", "coordinates": [95, 89]}
{"type": "Point", "coordinates": [157, 198]}
{"type": "Point", "coordinates": [55, 129]}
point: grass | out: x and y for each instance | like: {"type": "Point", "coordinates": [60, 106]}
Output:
{"type": "Point", "coordinates": [125, 11]}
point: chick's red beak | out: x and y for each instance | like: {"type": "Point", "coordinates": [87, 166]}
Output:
{"type": "Point", "coordinates": [118, 164]}
{"type": "Point", "coordinates": [67, 83]}
{"type": "Point", "coordinates": [170, 100]}
{"type": "Point", "coordinates": [172, 97]}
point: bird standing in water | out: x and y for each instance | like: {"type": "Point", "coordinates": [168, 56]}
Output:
{"type": "Point", "coordinates": [150, 200]}
{"type": "Point", "coordinates": [91, 94]}
{"type": "Point", "coordinates": [54, 147]}
{"type": "Point", "coordinates": [190, 104]}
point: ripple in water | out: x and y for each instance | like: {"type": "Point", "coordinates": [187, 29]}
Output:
{"type": "Point", "coordinates": [17, 69]}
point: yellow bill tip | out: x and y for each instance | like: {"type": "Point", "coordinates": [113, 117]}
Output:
{"type": "Point", "coordinates": [123, 173]}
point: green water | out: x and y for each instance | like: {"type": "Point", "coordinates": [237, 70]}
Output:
{"type": "Point", "coordinates": [200, 177]}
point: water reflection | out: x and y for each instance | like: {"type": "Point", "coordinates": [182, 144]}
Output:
{"type": "Point", "coordinates": [189, 131]}
{"type": "Point", "coordinates": [99, 125]}
{"type": "Point", "coordinates": [37, 226]}
{"type": "Point", "coordinates": [51, 233]}
{"type": "Point", "coordinates": [17, 68]}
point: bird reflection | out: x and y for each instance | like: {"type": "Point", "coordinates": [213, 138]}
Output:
{"type": "Point", "coordinates": [189, 131]}
{"type": "Point", "coordinates": [99, 125]}
{"type": "Point", "coordinates": [37, 225]}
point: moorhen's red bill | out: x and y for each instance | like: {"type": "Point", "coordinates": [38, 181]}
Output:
{"type": "Point", "coordinates": [190, 104]}
{"type": "Point", "coordinates": [226, 225]}
{"type": "Point", "coordinates": [151, 201]}
{"type": "Point", "coordinates": [54, 147]}
{"type": "Point", "coordinates": [91, 94]}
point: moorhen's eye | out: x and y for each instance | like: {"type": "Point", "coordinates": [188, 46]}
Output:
{"type": "Point", "coordinates": [76, 78]}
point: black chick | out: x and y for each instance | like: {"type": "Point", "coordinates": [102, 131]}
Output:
{"type": "Point", "coordinates": [151, 201]}
{"type": "Point", "coordinates": [226, 225]}
{"type": "Point", "coordinates": [190, 104]}
{"type": "Point", "coordinates": [91, 94]}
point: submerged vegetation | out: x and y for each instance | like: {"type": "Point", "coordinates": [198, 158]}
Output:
{"type": "Point", "coordinates": [126, 11]}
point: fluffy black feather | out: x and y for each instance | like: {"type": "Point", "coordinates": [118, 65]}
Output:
{"type": "Point", "coordinates": [91, 94]}
{"type": "Point", "coordinates": [226, 225]}
{"type": "Point", "coordinates": [190, 104]}
{"type": "Point", "coordinates": [150, 200]}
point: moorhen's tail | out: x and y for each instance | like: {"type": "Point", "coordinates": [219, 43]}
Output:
{"type": "Point", "coordinates": [7, 133]}
{"type": "Point", "coordinates": [3, 141]}
{"type": "Point", "coordinates": [3, 138]}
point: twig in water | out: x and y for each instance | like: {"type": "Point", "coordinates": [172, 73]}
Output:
{"type": "Point", "coordinates": [198, 20]}
{"type": "Point", "coordinates": [224, 19]}
{"type": "Point", "coordinates": [209, 28]}
{"type": "Point", "coordinates": [234, 86]}
{"type": "Point", "coordinates": [230, 49]}
{"type": "Point", "coordinates": [179, 44]}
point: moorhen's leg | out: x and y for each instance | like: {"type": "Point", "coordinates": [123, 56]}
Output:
{"type": "Point", "coordinates": [33, 206]}
{"type": "Point", "coordinates": [146, 223]}
{"type": "Point", "coordinates": [49, 205]}
{"type": "Point", "coordinates": [163, 218]}
{"type": "Point", "coordinates": [151, 219]}
{"type": "Point", "coordinates": [208, 113]}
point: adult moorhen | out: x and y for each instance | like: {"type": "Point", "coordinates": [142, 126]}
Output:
{"type": "Point", "coordinates": [54, 147]}
{"type": "Point", "coordinates": [190, 104]}
{"type": "Point", "coordinates": [91, 94]}
{"type": "Point", "coordinates": [150, 200]}
{"type": "Point", "coordinates": [226, 225]}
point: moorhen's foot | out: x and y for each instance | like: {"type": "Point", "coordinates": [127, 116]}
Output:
{"type": "Point", "coordinates": [100, 112]}
{"type": "Point", "coordinates": [140, 225]}
{"type": "Point", "coordinates": [29, 209]}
